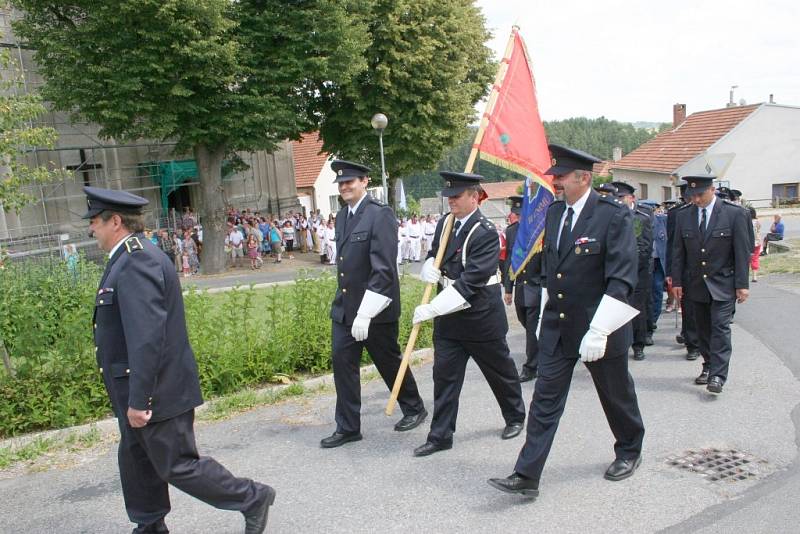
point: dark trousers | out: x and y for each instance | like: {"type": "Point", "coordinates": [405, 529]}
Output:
{"type": "Point", "coordinates": [528, 317]}
{"type": "Point", "coordinates": [656, 293]}
{"type": "Point", "coordinates": [714, 334]}
{"type": "Point", "coordinates": [617, 394]}
{"type": "Point", "coordinates": [641, 296]}
{"type": "Point", "coordinates": [689, 325]}
{"type": "Point", "coordinates": [385, 353]}
{"type": "Point", "coordinates": [165, 453]}
{"type": "Point", "coordinates": [450, 365]}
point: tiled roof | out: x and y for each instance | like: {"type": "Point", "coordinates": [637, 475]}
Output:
{"type": "Point", "coordinates": [671, 149]}
{"type": "Point", "coordinates": [501, 189]}
{"type": "Point", "coordinates": [308, 161]}
{"type": "Point", "coordinates": [603, 168]}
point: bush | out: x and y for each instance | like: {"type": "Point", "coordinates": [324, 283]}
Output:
{"type": "Point", "coordinates": [240, 338]}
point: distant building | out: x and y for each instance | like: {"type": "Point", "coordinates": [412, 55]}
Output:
{"type": "Point", "coordinates": [755, 146]}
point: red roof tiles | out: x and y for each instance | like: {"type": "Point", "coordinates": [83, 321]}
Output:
{"type": "Point", "coordinates": [308, 159]}
{"type": "Point", "coordinates": [603, 168]}
{"type": "Point", "coordinates": [501, 189]}
{"type": "Point", "coordinates": [671, 149]}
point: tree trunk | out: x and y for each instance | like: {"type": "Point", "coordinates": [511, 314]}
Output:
{"type": "Point", "coordinates": [212, 212]}
{"type": "Point", "coordinates": [6, 359]}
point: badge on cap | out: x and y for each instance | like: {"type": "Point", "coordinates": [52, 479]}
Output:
{"type": "Point", "coordinates": [553, 162]}
{"type": "Point", "coordinates": [340, 172]}
{"type": "Point", "coordinates": [448, 183]}
{"type": "Point", "coordinates": [693, 184]}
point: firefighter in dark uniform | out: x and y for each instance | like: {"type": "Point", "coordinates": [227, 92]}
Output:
{"type": "Point", "coordinates": [588, 275]}
{"type": "Point", "coordinates": [469, 316]}
{"type": "Point", "coordinates": [150, 374]}
{"type": "Point", "coordinates": [710, 267]}
{"type": "Point", "coordinates": [643, 231]}
{"type": "Point", "coordinates": [688, 336]}
{"type": "Point", "coordinates": [526, 294]}
{"type": "Point", "coordinates": [366, 308]}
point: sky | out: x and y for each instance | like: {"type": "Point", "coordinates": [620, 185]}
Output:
{"type": "Point", "coordinates": [632, 60]}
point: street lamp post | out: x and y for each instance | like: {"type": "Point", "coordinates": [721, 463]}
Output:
{"type": "Point", "coordinates": [379, 123]}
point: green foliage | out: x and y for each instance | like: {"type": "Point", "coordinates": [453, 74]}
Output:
{"type": "Point", "coordinates": [241, 339]}
{"type": "Point", "coordinates": [427, 66]}
{"type": "Point", "coordinates": [597, 136]}
{"type": "Point", "coordinates": [18, 111]}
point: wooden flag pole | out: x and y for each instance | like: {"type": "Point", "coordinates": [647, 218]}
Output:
{"type": "Point", "coordinates": [448, 223]}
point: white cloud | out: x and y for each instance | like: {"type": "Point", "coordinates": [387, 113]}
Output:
{"type": "Point", "coordinates": [632, 60]}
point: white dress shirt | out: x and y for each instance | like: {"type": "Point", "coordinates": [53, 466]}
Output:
{"type": "Point", "coordinates": [463, 220]}
{"type": "Point", "coordinates": [709, 209]}
{"type": "Point", "coordinates": [576, 212]}
{"type": "Point", "coordinates": [119, 243]}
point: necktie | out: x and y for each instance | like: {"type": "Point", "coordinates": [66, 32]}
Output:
{"type": "Point", "coordinates": [347, 220]}
{"type": "Point", "coordinates": [457, 226]}
{"type": "Point", "coordinates": [566, 232]}
{"type": "Point", "coordinates": [703, 223]}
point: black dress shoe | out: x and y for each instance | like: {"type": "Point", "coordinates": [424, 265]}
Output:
{"type": "Point", "coordinates": [715, 384]}
{"type": "Point", "coordinates": [411, 421]}
{"type": "Point", "coordinates": [157, 527]}
{"type": "Point", "coordinates": [648, 340]}
{"type": "Point", "coordinates": [337, 439]}
{"type": "Point", "coordinates": [429, 448]}
{"type": "Point", "coordinates": [692, 355]}
{"type": "Point", "coordinates": [622, 469]}
{"type": "Point", "coordinates": [679, 339]}
{"type": "Point", "coordinates": [638, 354]}
{"type": "Point", "coordinates": [516, 484]}
{"type": "Point", "coordinates": [702, 379]}
{"type": "Point", "coordinates": [527, 375]}
{"type": "Point", "coordinates": [255, 520]}
{"type": "Point", "coordinates": [511, 431]}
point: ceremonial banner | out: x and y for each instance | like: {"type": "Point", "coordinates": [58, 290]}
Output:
{"type": "Point", "coordinates": [512, 136]}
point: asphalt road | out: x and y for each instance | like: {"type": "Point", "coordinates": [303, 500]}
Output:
{"type": "Point", "coordinates": [377, 486]}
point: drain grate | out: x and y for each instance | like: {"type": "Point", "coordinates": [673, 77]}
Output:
{"type": "Point", "coordinates": [718, 465]}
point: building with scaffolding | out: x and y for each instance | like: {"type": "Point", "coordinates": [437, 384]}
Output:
{"type": "Point", "coordinates": [259, 180]}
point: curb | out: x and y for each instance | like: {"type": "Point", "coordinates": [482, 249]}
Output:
{"type": "Point", "coordinates": [109, 425]}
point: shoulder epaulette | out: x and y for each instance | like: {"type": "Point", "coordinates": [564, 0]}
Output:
{"type": "Point", "coordinates": [132, 244]}
{"type": "Point", "coordinates": [684, 206]}
{"type": "Point", "coordinates": [612, 200]}
{"type": "Point", "coordinates": [644, 213]}
{"type": "Point", "coordinates": [376, 201]}
{"type": "Point", "coordinates": [489, 225]}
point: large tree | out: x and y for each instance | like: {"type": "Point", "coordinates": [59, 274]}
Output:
{"type": "Point", "coordinates": [427, 67]}
{"type": "Point", "coordinates": [216, 76]}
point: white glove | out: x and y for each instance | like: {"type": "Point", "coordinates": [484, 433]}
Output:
{"type": "Point", "coordinates": [542, 303]}
{"type": "Point", "coordinates": [360, 328]}
{"type": "Point", "coordinates": [448, 301]}
{"type": "Point", "coordinates": [429, 273]}
{"type": "Point", "coordinates": [371, 305]}
{"type": "Point", "coordinates": [609, 316]}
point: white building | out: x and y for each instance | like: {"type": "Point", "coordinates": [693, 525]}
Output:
{"type": "Point", "coordinates": [751, 148]}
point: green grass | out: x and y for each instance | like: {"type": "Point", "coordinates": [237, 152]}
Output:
{"type": "Point", "coordinates": [74, 441]}
{"type": "Point", "coordinates": [783, 262]}
{"type": "Point", "coordinates": [242, 401]}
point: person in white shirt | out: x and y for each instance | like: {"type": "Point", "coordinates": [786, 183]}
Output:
{"type": "Point", "coordinates": [414, 238]}
{"type": "Point", "coordinates": [330, 243]}
{"type": "Point", "coordinates": [236, 241]}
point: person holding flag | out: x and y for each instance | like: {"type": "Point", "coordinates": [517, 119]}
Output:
{"type": "Point", "coordinates": [525, 289]}
{"type": "Point", "coordinates": [588, 275]}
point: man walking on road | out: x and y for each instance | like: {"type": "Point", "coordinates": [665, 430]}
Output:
{"type": "Point", "coordinates": [150, 374]}
{"type": "Point", "coordinates": [588, 274]}
{"type": "Point", "coordinates": [526, 293]}
{"type": "Point", "coordinates": [366, 308]}
{"type": "Point", "coordinates": [710, 268]}
{"type": "Point", "coordinates": [469, 319]}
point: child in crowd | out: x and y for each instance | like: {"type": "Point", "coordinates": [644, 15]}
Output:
{"type": "Point", "coordinates": [252, 252]}
{"type": "Point", "coordinates": [187, 270]}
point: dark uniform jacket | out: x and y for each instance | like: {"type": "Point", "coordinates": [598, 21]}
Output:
{"type": "Point", "coordinates": [486, 317]}
{"type": "Point", "coordinates": [660, 239]}
{"type": "Point", "coordinates": [715, 263]}
{"type": "Point", "coordinates": [529, 277]}
{"type": "Point", "coordinates": [142, 347]}
{"type": "Point", "coordinates": [672, 215]}
{"type": "Point", "coordinates": [643, 231]}
{"type": "Point", "coordinates": [366, 260]}
{"type": "Point", "coordinates": [601, 259]}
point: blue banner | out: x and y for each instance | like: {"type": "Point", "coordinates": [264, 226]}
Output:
{"type": "Point", "coordinates": [531, 225]}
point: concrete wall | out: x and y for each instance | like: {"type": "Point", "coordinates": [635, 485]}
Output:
{"type": "Point", "coordinates": [656, 182]}
{"type": "Point", "coordinates": [766, 146]}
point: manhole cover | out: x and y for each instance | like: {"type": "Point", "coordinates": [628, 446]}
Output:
{"type": "Point", "coordinates": [719, 465]}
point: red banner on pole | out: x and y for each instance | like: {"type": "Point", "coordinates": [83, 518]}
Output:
{"type": "Point", "coordinates": [514, 137]}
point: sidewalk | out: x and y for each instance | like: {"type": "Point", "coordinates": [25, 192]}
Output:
{"type": "Point", "coordinates": [375, 485]}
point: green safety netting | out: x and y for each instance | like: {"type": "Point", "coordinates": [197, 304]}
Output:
{"type": "Point", "coordinates": [170, 175]}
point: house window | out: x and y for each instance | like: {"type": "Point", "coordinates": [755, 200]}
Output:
{"type": "Point", "coordinates": [785, 191]}
{"type": "Point", "coordinates": [334, 203]}
{"type": "Point", "coordinates": [643, 191]}
{"type": "Point", "coordinates": [666, 193]}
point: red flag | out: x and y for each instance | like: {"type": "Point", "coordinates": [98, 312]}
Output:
{"type": "Point", "coordinates": [514, 137]}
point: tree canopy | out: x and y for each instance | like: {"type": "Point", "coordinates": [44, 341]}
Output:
{"type": "Point", "coordinates": [597, 136]}
{"type": "Point", "coordinates": [427, 66]}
